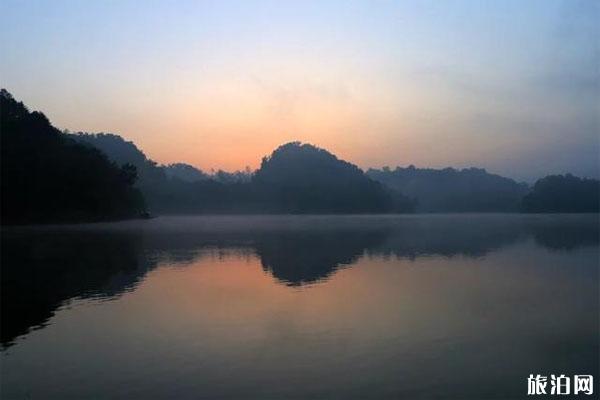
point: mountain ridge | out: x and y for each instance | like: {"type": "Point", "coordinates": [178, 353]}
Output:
{"type": "Point", "coordinates": [297, 178]}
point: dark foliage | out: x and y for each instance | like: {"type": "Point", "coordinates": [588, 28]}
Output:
{"type": "Point", "coordinates": [563, 194]}
{"type": "Point", "coordinates": [301, 178]}
{"type": "Point", "coordinates": [185, 172]}
{"type": "Point", "coordinates": [188, 173]}
{"type": "Point", "coordinates": [296, 178]}
{"type": "Point", "coordinates": [451, 190]}
{"type": "Point", "coordinates": [244, 176]}
{"type": "Point", "coordinates": [177, 188]}
{"type": "Point", "coordinates": [48, 177]}
{"type": "Point", "coordinates": [123, 152]}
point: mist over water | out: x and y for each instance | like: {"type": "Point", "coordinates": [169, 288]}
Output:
{"type": "Point", "coordinates": [415, 306]}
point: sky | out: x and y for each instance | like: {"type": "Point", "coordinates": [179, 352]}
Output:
{"type": "Point", "coordinates": [510, 86]}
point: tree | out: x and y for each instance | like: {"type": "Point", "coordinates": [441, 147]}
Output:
{"type": "Point", "coordinates": [563, 193]}
{"type": "Point", "coordinates": [47, 177]}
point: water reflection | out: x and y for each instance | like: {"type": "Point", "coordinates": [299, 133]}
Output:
{"type": "Point", "coordinates": [299, 307]}
{"type": "Point", "coordinates": [42, 268]}
{"type": "Point", "coordinates": [299, 258]}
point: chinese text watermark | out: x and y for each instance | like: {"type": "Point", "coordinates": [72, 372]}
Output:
{"type": "Point", "coordinates": [560, 384]}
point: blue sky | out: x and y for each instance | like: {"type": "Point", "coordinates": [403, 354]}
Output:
{"type": "Point", "coordinates": [511, 86]}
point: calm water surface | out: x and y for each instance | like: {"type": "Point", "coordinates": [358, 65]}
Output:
{"type": "Point", "coordinates": [284, 307]}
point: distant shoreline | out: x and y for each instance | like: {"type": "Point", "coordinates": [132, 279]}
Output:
{"type": "Point", "coordinates": [289, 215]}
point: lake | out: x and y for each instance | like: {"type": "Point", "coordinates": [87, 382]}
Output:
{"type": "Point", "coordinates": [299, 307]}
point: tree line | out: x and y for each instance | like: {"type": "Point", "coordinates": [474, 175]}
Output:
{"type": "Point", "coordinates": [53, 176]}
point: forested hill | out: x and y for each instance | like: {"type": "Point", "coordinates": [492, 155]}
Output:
{"type": "Point", "coordinates": [150, 173]}
{"type": "Point", "coordinates": [47, 177]}
{"type": "Point", "coordinates": [303, 178]}
{"type": "Point", "coordinates": [295, 178]}
{"type": "Point", "coordinates": [452, 190]}
{"type": "Point", "coordinates": [50, 176]}
{"type": "Point", "coordinates": [563, 194]}
{"type": "Point", "coordinates": [123, 152]}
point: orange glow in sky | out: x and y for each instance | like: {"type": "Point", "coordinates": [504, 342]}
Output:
{"type": "Point", "coordinates": [511, 87]}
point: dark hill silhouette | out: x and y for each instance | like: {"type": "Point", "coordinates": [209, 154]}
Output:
{"type": "Point", "coordinates": [244, 176]}
{"type": "Point", "coordinates": [48, 177]}
{"type": "Point", "coordinates": [123, 152]}
{"type": "Point", "coordinates": [301, 178]}
{"type": "Point", "coordinates": [176, 188]}
{"type": "Point", "coordinates": [563, 194]}
{"type": "Point", "coordinates": [296, 178]}
{"type": "Point", "coordinates": [452, 190]}
{"type": "Point", "coordinates": [185, 172]}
